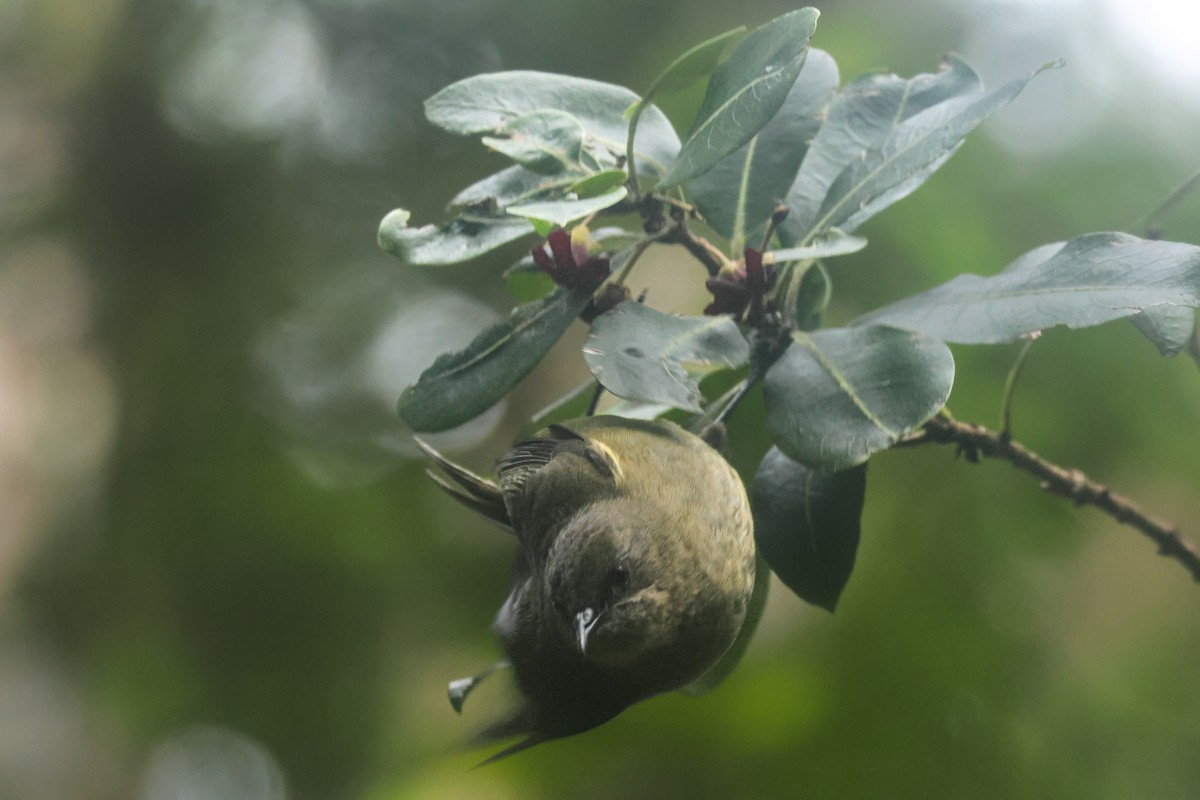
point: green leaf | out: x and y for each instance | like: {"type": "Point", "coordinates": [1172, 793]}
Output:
{"type": "Point", "coordinates": [833, 242]}
{"type": "Point", "coordinates": [599, 183]}
{"type": "Point", "coordinates": [1169, 327]}
{"type": "Point", "coordinates": [812, 297]}
{"type": "Point", "coordinates": [461, 239]}
{"type": "Point", "coordinates": [547, 142]}
{"type": "Point", "coordinates": [754, 610]}
{"type": "Point", "coordinates": [639, 353]}
{"type": "Point", "coordinates": [744, 93]}
{"type": "Point", "coordinates": [1091, 279]}
{"type": "Point", "coordinates": [860, 119]}
{"type": "Point", "coordinates": [912, 152]}
{"type": "Point", "coordinates": [806, 525]}
{"type": "Point", "coordinates": [511, 186]}
{"type": "Point", "coordinates": [462, 385]}
{"type": "Point", "coordinates": [484, 104]}
{"type": "Point", "coordinates": [572, 405]}
{"type": "Point", "coordinates": [695, 63]}
{"type": "Point", "coordinates": [636, 409]}
{"type": "Point", "coordinates": [564, 212]}
{"type": "Point", "coordinates": [528, 285]}
{"type": "Point", "coordinates": [836, 396]}
{"type": "Point", "coordinates": [739, 194]}
{"type": "Point", "coordinates": [481, 224]}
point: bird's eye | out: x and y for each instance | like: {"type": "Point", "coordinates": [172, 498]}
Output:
{"type": "Point", "coordinates": [618, 580]}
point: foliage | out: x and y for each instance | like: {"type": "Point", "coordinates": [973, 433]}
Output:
{"type": "Point", "coordinates": [773, 124]}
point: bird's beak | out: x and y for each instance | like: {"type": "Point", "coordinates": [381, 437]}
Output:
{"type": "Point", "coordinates": [584, 622]}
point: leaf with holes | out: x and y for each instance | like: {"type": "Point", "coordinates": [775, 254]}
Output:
{"type": "Point", "coordinates": [836, 396]}
{"type": "Point", "coordinates": [547, 142]}
{"type": "Point", "coordinates": [485, 104]}
{"type": "Point", "coordinates": [639, 353]}
{"type": "Point", "coordinates": [461, 239]}
{"type": "Point", "coordinates": [806, 525]}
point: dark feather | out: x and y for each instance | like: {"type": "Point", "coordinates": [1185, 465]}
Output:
{"type": "Point", "coordinates": [481, 495]}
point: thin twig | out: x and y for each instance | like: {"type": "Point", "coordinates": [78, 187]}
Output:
{"type": "Point", "coordinates": [1069, 483]}
{"type": "Point", "coordinates": [627, 267]}
{"type": "Point", "coordinates": [700, 248]}
{"type": "Point", "coordinates": [597, 393]}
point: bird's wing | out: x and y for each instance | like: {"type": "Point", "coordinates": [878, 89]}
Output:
{"type": "Point", "coordinates": [476, 493]}
{"type": "Point", "coordinates": [526, 457]}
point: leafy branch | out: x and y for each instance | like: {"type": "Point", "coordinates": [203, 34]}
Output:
{"type": "Point", "coordinates": [779, 152]}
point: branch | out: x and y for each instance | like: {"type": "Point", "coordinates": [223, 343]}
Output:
{"type": "Point", "coordinates": [700, 248]}
{"type": "Point", "coordinates": [975, 440]}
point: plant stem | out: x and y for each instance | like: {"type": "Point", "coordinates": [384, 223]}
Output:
{"type": "Point", "coordinates": [703, 250]}
{"type": "Point", "coordinates": [1149, 223]}
{"type": "Point", "coordinates": [630, 161]}
{"type": "Point", "coordinates": [627, 267]}
{"type": "Point", "coordinates": [1069, 483]}
{"type": "Point", "coordinates": [1010, 384]}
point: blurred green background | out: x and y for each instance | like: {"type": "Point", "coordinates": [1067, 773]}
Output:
{"type": "Point", "coordinates": [224, 575]}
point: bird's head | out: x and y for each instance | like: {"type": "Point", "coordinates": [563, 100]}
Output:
{"type": "Point", "coordinates": [608, 586]}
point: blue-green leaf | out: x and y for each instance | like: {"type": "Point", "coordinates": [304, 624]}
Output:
{"type": "Point", "coordinates": [860, 119]}
{"type": "Point", "coordinates": [511, 186]}
{"type": "Point", "coordinates": [912, 152]}
{"type": "Point", "coordinates": [564, 212]}
{"type": "Point", "coordinates": [639, 353]}
{"type": "Point", "coordinates": [599, 183]}
{"type": "Point", "coordinates": [1091, 279]}
{"type": "Point", "coordinates": [838, 395]}
{"type": "Point", "coordinates": [739, 194]}
{"type": "Point", "coordinates": [693, 64]}
{"type": "Point", "coordinates": [459, 386]}
{"type": "Point", "coordinates": [1170, 328]}
{"type": "Point", "coordinates": [833, 242]}
{"type": "Point", "coordinates": [744, 93]}
{"type": "Point", "coordinates": [485, 104]}
{"type": "Point", "coordinates": [807, 524]}
{"type": "Point", "coordinates": [463, 238]}
{"type": "Point", "coordinates": [547, 142]}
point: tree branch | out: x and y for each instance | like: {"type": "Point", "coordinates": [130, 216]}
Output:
{"type": "Point", "coordinates": [976, 440]}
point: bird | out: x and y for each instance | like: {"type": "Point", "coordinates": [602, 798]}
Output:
{"type": "Point", "coordinates": [634, 568]}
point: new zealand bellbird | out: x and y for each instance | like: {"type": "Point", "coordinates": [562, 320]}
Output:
{"type": "Point", "coordinates": [634, 569]}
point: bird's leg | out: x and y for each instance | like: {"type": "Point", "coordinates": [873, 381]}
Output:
{"type": "Point", "coordinates": [459, 689]}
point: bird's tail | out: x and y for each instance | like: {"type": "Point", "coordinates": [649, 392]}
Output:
{"type": "Point", "coordinates": [476, 493]}
{"type": "Point", "coordinates": [519, 723]}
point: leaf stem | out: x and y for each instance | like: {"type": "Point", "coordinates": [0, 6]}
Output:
{"type": "Point", "coordinates": [1068, 483]}
{"type": "Point", "coordinates": [1149, 222]}
{"type": "Point", "coordinates": [1010, 384]}
{"type": "Point", "coordinates": [630, 161]}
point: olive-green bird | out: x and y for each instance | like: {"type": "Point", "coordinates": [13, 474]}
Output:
{"type": "Point", "coordinates": [634, 570]}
